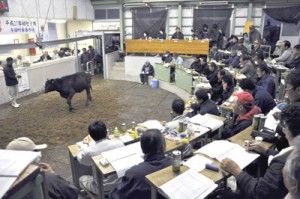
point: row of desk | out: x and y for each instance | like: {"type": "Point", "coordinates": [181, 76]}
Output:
{"type": "Point", "coordinates": [163, 176]}
{"type": "Point", "coordinates": [100, 172]}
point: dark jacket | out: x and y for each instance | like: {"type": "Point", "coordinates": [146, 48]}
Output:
{"type": "Point", "coordinates": [213, 77]}
{"type": "Point", "coordinates": [254, 35]}
{"type": "Point", "coordinates": [204, 35]}
{"type": "Point", "coordinates": [249, 71]}
{"type": "Point", "coordinates": [268, 83]}
{"type": "Point", "coordinates": [167, 59]}
{"type": "Point", "coordinates": [162, 36]}
{"type": "Point", "coordinates": [85, 57]}
{"type": "Point", "coordinates": [227, 93]}
{"type": "Point", "coordinates": [263, 99]}
{"type": "Point", "coordinates": [58, 187]}
{"type": "Point", "coordinates": [269, 186]}
{"type": "Point", "coordinates": [295, 63]}
{"type": "Point", "coordinates": [196, 65]}
{"type": "Point", "coordinates": [177, 35]}
{"type": "Point", "coordinates": [133, 184]}
{"type": "Point", "coordinates": [10, 75]}
{"type": "Point", "coordinates": [151, 69]}
{"type": "Point", "coordinates": [215, 56]}
{"type": "Point", "coordinates": [208, 106]}
{"type": "Point", "coordinates": [42, 58]}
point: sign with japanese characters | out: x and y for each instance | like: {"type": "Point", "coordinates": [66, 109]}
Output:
{"type": "Point", "coordinates": [18, 25]}
{"type": "Point", "coordinates": [3, 6]}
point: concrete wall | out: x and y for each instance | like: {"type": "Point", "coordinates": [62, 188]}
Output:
{"type": "Point", "coordinates": [110, 59]}
{"type": "Point", "coordinates": [38, 74]}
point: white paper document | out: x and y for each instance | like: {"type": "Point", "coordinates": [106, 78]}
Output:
{"type": "Point", "coordinates": [206, 121]}
{"type": "Point", "coordinates": [126, 138]}
{"type": "Point", "coordinates": [271, 123]}
{"type": "Point", "coordinates": [190, 184]}
{"type": "Point", "coordinates": [13, 163]}
{"type": "Point", "coordinates": [152, 124]}
{"type": "Point", "coordinates": [124, 158]}
{"type": "Point", "coordinates": [5, 184]}
{"type": "Point", "coordinates": [197, 162]}
{"type": "Point", "coordinates": [221, 149]}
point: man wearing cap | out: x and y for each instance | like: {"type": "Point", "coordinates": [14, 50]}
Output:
{"type": "Point", "coordinates": [256, 48]}
{"type": "Point", "coordinates": [245, 109]}
{"type": "Point", "coordinates": [147, 71]}
{"type": "Point", "coordinates": [133, 184]}
{"type": "Point", "coordinates": [57, 186]}
{"type": "Point", "coordinates": [278, 50]}
{"type": "Point", "coordinates": [178, 34]}
{"type": "Point", "coordinates": [254, 34]}
{"type": "Point", "coordinates": [295, 63]}
{"type": "Point", "coordinates": [287, 54]}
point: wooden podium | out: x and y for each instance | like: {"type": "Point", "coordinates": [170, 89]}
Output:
{"type": "Point", "coordinates": [195, 47]}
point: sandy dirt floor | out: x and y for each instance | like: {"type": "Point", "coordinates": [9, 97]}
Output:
{"type": "Point", "coordinates": [45, 117]}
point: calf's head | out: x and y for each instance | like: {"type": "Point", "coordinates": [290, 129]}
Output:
{"type": "Point", "coordinates": [50, 85]}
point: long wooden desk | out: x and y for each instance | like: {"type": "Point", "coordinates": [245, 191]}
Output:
{"type": "Point", "coordinates": [195, 47]}
{"type": "Point", "coordinates": [100, 172]}
{"type": "Point", "coordinates": [30, 181]}
{"type": "Point", "coordinates": [163, 176]}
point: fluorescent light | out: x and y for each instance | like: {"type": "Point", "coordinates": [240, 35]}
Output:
{"type": "Point", "coordinates": [132, 5]}
{"type": "Point", "coordinates": [57, 21]}
{"type": "Point", "coordinates": [213, 3]}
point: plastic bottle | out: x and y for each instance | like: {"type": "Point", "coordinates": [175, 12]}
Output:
{"type": "Point", "coordinates": [116, 132]}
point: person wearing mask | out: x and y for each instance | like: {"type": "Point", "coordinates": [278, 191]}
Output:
{"type": "Point", "coordinates": [98, 132]}
{"type": "Point", "coordinates": [291, 171]}
{"type": "Point", "coordinates": [271, 184]}
{"type": "Point", "coordinates": [244, 107]}
{"type": "Point", "coordinates": [178, 34]}
{"type": "Point", "coordinates": [45, 57]}
{"type": "Point", "coordinates": [145, 36]}
{"type": "Point", "coordinates": [254, 34]}
{"type": "Point", "coordinates": [84, 58]}
{"type": "Point", "coordinates": [56, 186]}
{"type": "Point", "coordinates": [247, 68]}
{"type": "Point", "coordinates": [167, 58]}
{"type": "Point", "coordinates": [295, 63]}
{"type": "Point", "coordinates": [262, 98]}
{"type": "Point", "coordinates": [147, 70]}
{"type": "Point", "coordinates": [204, 33]}
{"type": "Point", "coordinates": [178, 107]}
{"type": "Point", "coordinates": [266, 80]}
{"type": "Point", "coordinates": [162, 34]}
{"type": "Point", "coordinates": [287, 55]}
{"type": "Point", "coordinates": [133, 184]}
{"type": "Point", "coordinates": [11, 81]}
{"type": "Point", "coordinates": [204, 105]}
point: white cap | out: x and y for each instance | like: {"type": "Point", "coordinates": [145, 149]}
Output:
{"type": "Point", "coordinates": [24, 144]}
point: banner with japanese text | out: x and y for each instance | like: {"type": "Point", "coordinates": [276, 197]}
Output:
{"type": "Point", "coordinates": [18, 25]}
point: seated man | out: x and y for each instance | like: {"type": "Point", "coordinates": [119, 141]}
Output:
{"type": "Point", "coordinates": [287, 54]}
{"type": "Point", "coordinates": [228, 88]}
{"type": "Point", "coordinates": [295, 63]}
{"type": "Point", "coordinates": [245, 109]}
{"type": "Point", "coordinates": [215, 55]}
{"type": "Point", "coordinates": [204, 105]}
{"type": "Point", "coordinates": [178, 107]}
{"type": "Point", "coordinates": [291, 171]}
{"type": "Point", "coordinates": [266, 80]}
{"type": "Point", "coordinates": [256, 49]}
{"type": "Point", "coordinates": [196, 65]}
{"type": "Point", "coordinates": [217, 90]}
{"type": "Point", "coordinates": [45, 56]}
{"type": "Point", "coordinates": [167, 58]}
{"type": "Point", "coordinates": [262, 98]}
{"type": "Point", "coordinates": [147, 71]}
{"type": "Point", "coordinates": [133, 184]}
{"type": "Point", "coordinates": [177, 59]}
{"type": "Point", "coordinates": [247, 68]}
{"type": "Point", "coordinates": [98, 132]}
{"type": "Point", "coordinates": [178, 34]}
{"type": "Point", "coordinates": [271, 185]}
{"type": "Point", "coordinates": [56, 186]}
{"type": "Point", "coordinates": [213, 74]}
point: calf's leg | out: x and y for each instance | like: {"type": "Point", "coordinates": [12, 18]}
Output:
{"type": "Point", "coordinates": [88, 96]}
{"type": "Point", "coordinates": [69, 100]}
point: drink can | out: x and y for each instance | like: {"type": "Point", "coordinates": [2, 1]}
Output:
{"type": "Point", "coordinates": [124, 128]}
{"type": "Point", "coordinates": [181, 127]}
{"type": "Point", "coordinates": [262, 122]}
{"type": "Point", "coordinates": [133, 126]}
{"type": "Point", "coordinates": [255, 122]}
{"type": "Point", "coordinates": [185, 124]}
{"type": "Point", "coordinates": [176, 160]}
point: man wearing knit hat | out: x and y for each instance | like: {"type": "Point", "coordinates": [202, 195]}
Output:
{"type": "Point", "coordinates": [245, 109]}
